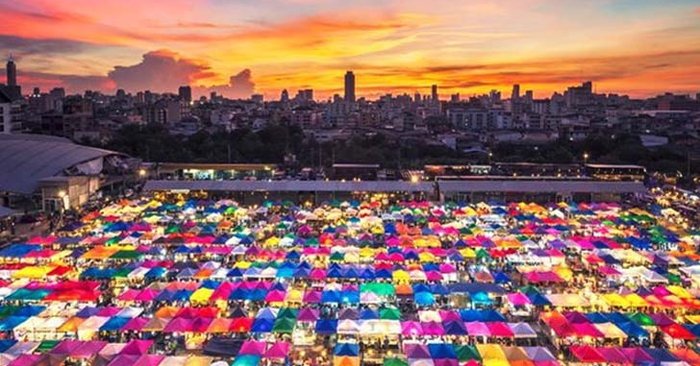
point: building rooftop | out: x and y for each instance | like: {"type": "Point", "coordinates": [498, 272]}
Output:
{"type": "Point", "coordinates": [26, 159]}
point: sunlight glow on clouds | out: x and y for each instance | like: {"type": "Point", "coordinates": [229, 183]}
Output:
{"type": "Point", "coordinates": [641, 48]}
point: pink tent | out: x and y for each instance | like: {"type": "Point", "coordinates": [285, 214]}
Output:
{"type": "Point", "coordinates": [88, 349]}
{"type": "Point", "coordinates": [254, 348]}
{"type": "Point", "coordinates": [147, 295]}
{"type": "Point", "coordinates": [25, 360]}
{"type": "Point", "coordinates": [445, 362]}
{"type": "Point", "coordinates": [500, 329]}
{"type": "Point", "coordinates": [416, 351]}
{"type": "Point", "coordinates": [137, 347]}
{"type": "Point", "coordinates": [433, 328]}
{"type": "Point", "coordinates": [587, 330]}
{"type": "Point", "coordinates": [124, 360]}
{"type": "Point", "coordinates": [613, 355]}
{"type": "Point", "coordinates": [308, 315]}
{"type": "Point", "coordinates": [129, 295]}
{"type": "Point", "coordinates": [200, 325]}
{"type": "Point", "coordinates": [108, 311]}
{"type": "Point", "coordinates": [178, 325]}
{"type": "Point", "coordinates": [275, 296]}
{"type": "Point", "coordinates": [135, 324]}
{"type": "Point", "coordinates": [411, 328]}
{"type": "Point", "coordinates": [312, 297]}
{"type": "Point", "coordinates": [518, 299]}
{"type": "Point", "coordinates": [65, 347]}
{"type": "Point", "coordinates": [317, 274]}
{"type": "Point", "coordinates": [278, 350]}
{"type": "Point", "coordinates": [447, 315]}
{"type": "Point", "coordinates": [477, 329]}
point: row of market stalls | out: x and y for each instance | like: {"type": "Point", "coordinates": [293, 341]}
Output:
{"type": "Point", "coordinates": [344, 283]}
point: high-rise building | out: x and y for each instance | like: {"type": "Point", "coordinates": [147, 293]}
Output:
{"type": "Point", "coordinates": [416, 97]}
{"type": "Point", "coordinates": [185, 93]}
{"type": "Point", "coordinates": [516, 92]}
{"type": "Point", "coordinates": [11, 72]}
{"type": "Point", "coordinates": [434, 92]}
{"type": "Point", "coordinates": [349, 87]}
{"type": "Point", "coordinates": [284, 97]}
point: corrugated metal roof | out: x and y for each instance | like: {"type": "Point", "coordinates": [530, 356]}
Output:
{"type": "Point", "coordinates": [4, 211]}
{"type": "Point", "coordinates": [517, 186]}
{"type": "Point", "coordinates": [288, 186]}
{"type": "Point", "coordinates": [26, 159]}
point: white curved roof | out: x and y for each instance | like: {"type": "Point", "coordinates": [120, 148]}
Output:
{"type": "Point", "coordinates": [26, 159]}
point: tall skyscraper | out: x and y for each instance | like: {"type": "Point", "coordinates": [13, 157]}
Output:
{"type": "Point", "coordinates": [516, 92]}
{"type": "Point", "coordinates": [434, 92]}
{"type": "Point", "coordinates": [349, 87]}
{"type": "Point", "coordinates": [11, 72]}
{"type": "Point", "coordinates": [185, 93]}
{"type": "Point", "coordinates": [284, 96]}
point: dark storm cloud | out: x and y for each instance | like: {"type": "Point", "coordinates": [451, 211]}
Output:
{"type": "Point", "coordinates": [25, 46]}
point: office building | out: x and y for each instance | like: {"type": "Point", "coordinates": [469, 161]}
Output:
{"type": "Point", "coordinates": [349, 87]}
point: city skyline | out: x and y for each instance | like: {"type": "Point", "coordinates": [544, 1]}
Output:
{"type": "Point", "coordinates": [638, 48]}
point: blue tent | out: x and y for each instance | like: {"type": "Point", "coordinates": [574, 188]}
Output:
{"type": "Point", "coordinates": [453, 327]}
{"type": "Point", "coordinates": [29, 310]}
{"type": "Point", "coordinates": [538, 299]}
{"type": "Point", "coordinates": [11, 322]}
{"type": "Point", "coordinates": [632, 330]}
{"type": "Point", "coordinates": [597, 318]}
{"type": "Point", "coordinates": [661, 355]}
{"type": "Point", "coordinates": [347, 349]}
{"type": "Point", "coordinates": [5, 344]}
{"type": "Point", "coordinates": [424, 298]}
{"type": "Point", "coordinates": [330, 296]}
{"type": "Point", "coordinates": [262, 325]}
{"type": "Point", "coordinates": [115, 323]}
{"type": "Point", "coordinates": [165, 295]}
{"type": "Point", "coordinates": [442, 351]}
{"type": "Point", "coordinates": [326, 326]}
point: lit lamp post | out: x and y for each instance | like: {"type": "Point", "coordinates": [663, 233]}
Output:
{"type": "Point", "coordinates": [585, 158]}
{"type": "Point", "coordinates": [62, 200]}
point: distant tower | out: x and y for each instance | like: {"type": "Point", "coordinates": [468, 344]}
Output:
{"type": "Point", "coordinates": [434, 92]}
{"type": "Point", "coordinates": [284, 97]}
{"type": "Point", "coordinates": [349, 87]}
{"type": "Point", "coordinates": [11, 72]}
{"type": "Point", "coordinates": [185, 93]}
{"type": "Point", "coordinates": [516, 92]}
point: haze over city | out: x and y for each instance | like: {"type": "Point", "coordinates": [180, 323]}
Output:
{"type": "Point", "coordinates": [640, 48]}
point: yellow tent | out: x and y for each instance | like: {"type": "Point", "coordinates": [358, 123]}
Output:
{"type": "Point", "coordinates": [615, 299]}
{"type": "Point", "coordinates": [201, 296]}
{"type": "Point", "coordinates": [401, 276]}
{"type": "Point", "coordinates": [492, 355]}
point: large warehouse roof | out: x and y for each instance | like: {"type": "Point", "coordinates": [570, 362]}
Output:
{"type": "Point", "coordinates": [26, 159]}
{"type": "Point", "coordinates": [288, 186]}
{"type": "Point", "coordinates": [560, 186]}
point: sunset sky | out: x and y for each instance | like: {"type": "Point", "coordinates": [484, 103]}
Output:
{"type": "Point", "coordinates": [637, 47]}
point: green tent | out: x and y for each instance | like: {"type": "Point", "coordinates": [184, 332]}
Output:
{"type": "Point", "coordinates": [287, 313]}
{"type": "Point", "coordinates": [390, 314]}
{"type": "Point", "coordinates": [466, 353]}
{"type": "Point", "coordinates": [337, 256]}
{"type": "Point", "coordinates": [284, 325]}
{"type": "Point", "coordinates": [46, 346]}
{"type": "Point", "coordinates": [126, 254]}
{"type": "Point", "coordinates": [674, 279]}
{"type": "Point", "coordinates": [642, 319]}
{"type": "Point", "coordinates": [7, 310]}
{"type": "Point", "coordinates": [122, 272]}
{"type": "Point", "coordinates": [395, 361]}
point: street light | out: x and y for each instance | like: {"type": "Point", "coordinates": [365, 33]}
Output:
{"type": "Point", "coordinates": [142, 172]}
{"type": "Point", "coordinates": [585, 158]}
